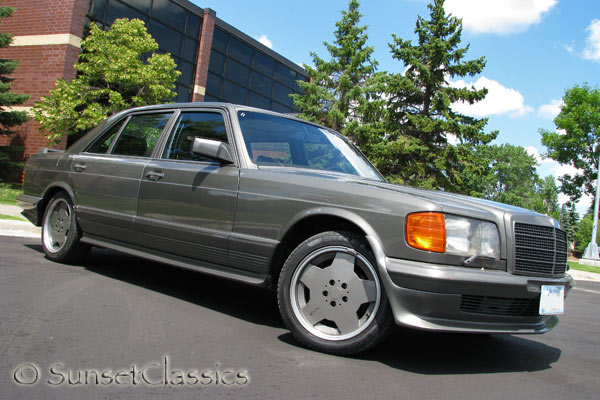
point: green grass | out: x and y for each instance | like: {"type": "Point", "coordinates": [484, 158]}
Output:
{"type": "Point", "coordinates": [4, 216]}
{"type": "Point", "coordinates": [586, 268]}
{"type": "Point", "coordinates": [9, 193]}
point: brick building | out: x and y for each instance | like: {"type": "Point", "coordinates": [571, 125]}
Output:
{"type": "Point", "coordinates": [217, 61]}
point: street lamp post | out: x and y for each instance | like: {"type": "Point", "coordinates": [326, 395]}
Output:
{"type": "Point", "coordinates": [591, 251]}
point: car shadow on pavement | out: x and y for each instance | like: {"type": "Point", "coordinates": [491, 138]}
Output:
{"type": "Point", "coordinates": [238, 300]}
{"type": "Point", "coordinates": [433, 353]}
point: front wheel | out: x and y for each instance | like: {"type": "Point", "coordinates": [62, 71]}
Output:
{"type": "Point", "coordinates": [60, 232]}
{"type": "Point", "coordinates": [330, 295]}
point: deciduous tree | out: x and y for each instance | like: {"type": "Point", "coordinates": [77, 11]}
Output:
{"type": "Point", "coordinates": [576, 142]}
{"type": "Point", "coordinates": [117, 69]}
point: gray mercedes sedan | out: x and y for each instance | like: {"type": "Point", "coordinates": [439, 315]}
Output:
{"type": "Point", "coordinates": [274, 201]}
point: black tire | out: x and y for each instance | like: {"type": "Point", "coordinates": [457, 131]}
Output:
{"type": "Point", "coordinates": [319, 306]}
{"type": "Point", "coordinates": [61, 233]}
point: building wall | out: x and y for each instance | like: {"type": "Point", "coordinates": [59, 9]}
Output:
{"type": "Point", "coordinates": [46, 37]}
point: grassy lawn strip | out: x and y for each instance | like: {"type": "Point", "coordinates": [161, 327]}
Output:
{"type": "Point", "coordinates": [4, 216]}
{"type": "Point", "coordinates": [9, 193]}
{"type": "Point", "coordinates": [586, 268]}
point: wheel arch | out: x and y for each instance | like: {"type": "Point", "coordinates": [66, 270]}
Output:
{"type": "Point", "coordinates": [50, 191]}
{"type": "Point", "coordinates": [311, 222]}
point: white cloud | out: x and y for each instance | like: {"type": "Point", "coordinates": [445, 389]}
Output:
{"type": "Point", "coordinates": [499, 16]}
{"type": "Point", "coordinates": [551, 110]}
{"type": "Point", "coordinates": [535, 153]}
{"type": "Point", "coordinates": [499, 100]}
{"type": "Point", "coordinates": [592, 48]}
{"type": "Point", "coordinates": [265, 40]}
{"type": "Point", "coordinates": [570, 48]}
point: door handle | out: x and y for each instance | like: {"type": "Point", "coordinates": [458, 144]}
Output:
{"type": "Point", "coordinates": [79, 167]}
{"type": "Point", "coordinates": [154, 175]}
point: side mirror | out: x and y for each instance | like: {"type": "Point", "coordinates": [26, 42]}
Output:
{"type": "Point", "coordinates": [213, 149]}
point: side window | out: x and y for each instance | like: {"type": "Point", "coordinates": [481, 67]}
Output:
{"type": "Point", "coordinates": [140, 135]}
{"type": "Point", "coordinates": [205, 125]}
{"type": "Point", "coordinates": [102, 145]}
{"type": "Point", "coordinates": [271, 153]}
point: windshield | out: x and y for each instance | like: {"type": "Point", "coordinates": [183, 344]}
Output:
{"type": "Point", "coordinates": [276, 141]}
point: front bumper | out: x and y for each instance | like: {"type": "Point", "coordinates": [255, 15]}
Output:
{"type": "Point", "coordinates": [442, 297]}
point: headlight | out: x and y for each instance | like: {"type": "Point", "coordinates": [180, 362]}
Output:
{"type": "Point", "coordinates": [461, 236]}
{"type": "Point", "coordinates": [471, 237]}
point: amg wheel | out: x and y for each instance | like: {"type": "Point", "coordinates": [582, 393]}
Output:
{"type": "Point", "coordinates": [330, 295]}
{"type": "Point", "coordinates": [60, 232]}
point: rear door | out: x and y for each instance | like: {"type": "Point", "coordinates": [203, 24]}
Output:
{"type": "Point", "coordinates": [106, 176]}
{"type": "Point", "coordinates": [186, 202]}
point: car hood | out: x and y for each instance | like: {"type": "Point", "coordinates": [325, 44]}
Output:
{"type": "Point", "coordinates": [448, 202]}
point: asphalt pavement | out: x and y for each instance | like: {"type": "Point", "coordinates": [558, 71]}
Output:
{"type": "Point", "coordinates": [123, 328]}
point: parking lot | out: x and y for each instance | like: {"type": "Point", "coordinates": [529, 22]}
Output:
{"type": "Point", "coordinates": [121, 327]}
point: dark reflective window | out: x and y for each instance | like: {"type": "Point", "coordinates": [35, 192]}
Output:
{"type": "Point", "coordinates": [169, 13]}
{"type": "Point", "coordinates": [189, 49]}
{"type": "Point", "coordinates": [220, 40]}
{"type": "Point", "coordinates": [183, 94]}
{"type": "Point", "coordinates": [217, 62]}
{"type": "Point", "coordinates": [279, 108]}
{"type": "Point", "coordinates": [96, 10]}
{"type": "Point", "coordinates": [102, 145]}
{"type": "Point", "coordinates": [240, 51]}
{"type": "Point", "coordinates": [242, 74]}
{"type": "Point", "coordinates": [234, 93]}
{"type": "Point", "coordinates": [213, 85]}
{"type": "Point", "coordinates": [142, 5]}
{"type": "Point", "coordinates": [168, 39]}
{"type": "Point", "coordinates": [193, 25]}
{"type": "Point", "coordinates": [262, 84]}
{"type": "Point", "coordinates": [282, 94]}
{"type": "Point", "coordinates": [117, 10]}
{"type": "Point", "coordinates": [256, 100]}
{"type": "Point", "coordinates": [285, 75]}
{"type": "Point", "coordinates": [140, 135]}
{"type": "Point", "coordinates": [264, 64]}
{"type": "Point", "coordinates": [237, 72]}
{"type": "Point", "coordinates": [205, 125]}
{"type": "Point", "coordinates": [211, 98]}
{"type": "Point", "coordinates": [187, 73]}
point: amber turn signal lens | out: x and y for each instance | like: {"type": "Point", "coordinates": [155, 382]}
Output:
{"type": "Point", "coordinates": [426, 231]}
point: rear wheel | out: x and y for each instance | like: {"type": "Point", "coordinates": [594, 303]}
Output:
{"type": "Point", "coordinates": [330, 295]}
{"type": "Point", "coordinates": [60, 232]}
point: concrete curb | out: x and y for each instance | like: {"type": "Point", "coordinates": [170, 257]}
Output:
{"type": "Point", "coordinates": [584, 275]}
{"type": "Point", "coordinates": [19, 229]}
{"type": "Point", "coordinates": [13, 211]}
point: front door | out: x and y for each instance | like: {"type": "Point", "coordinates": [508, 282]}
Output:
{"type": "Point", "coordinates": [187, 203]}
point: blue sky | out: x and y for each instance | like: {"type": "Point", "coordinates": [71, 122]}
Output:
{"type": "Point", "coordinates": [535, 50]}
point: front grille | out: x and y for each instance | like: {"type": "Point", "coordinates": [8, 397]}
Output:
{"type": "Point", "coordinates": [514, 307]}
{"type": "Point", "coordinates": [540, 250]}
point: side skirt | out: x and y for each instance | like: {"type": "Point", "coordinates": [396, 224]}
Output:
{"type": "Point", "coordinates": [180, 262]}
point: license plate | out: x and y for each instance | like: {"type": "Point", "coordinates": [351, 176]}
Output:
{"type": "Point", "coordinates": [552, 300]}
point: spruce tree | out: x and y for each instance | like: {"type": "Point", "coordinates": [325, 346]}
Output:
{"type": "Point", "coordinates": [9, 119]}
{"type": "Point", "coordinates": [421, 126]}
{"type": "Point", "coordinates": [338, 88]}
